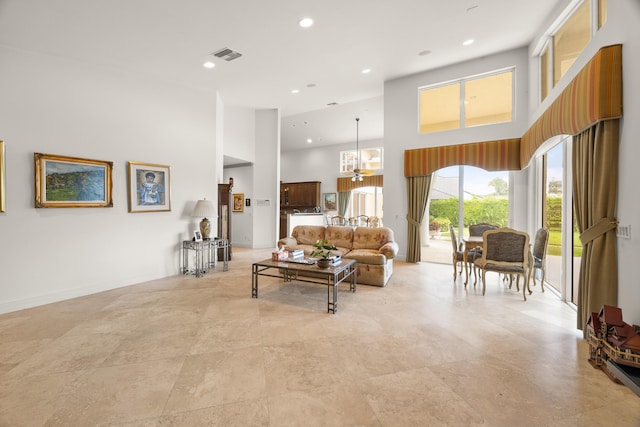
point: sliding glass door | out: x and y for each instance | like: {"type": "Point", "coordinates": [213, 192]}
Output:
{"type": "Point", "coordinates": [462, 195]}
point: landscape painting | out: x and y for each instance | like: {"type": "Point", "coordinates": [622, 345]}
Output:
{"type": "Point", "coordinates": [71, 182]}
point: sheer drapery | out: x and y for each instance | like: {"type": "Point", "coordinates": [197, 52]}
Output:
{"type": "Point", "coordinates": [418, 191]}
{"type": "Point", "coordinates": [343, 202]}
{"type": "Point", "coordinates": [595, 187]}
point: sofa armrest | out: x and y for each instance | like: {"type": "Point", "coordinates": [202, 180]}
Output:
{"type": "Point", "coordinates": [287, 241]}
{"type": "Point", "coordinates": [389, 250]}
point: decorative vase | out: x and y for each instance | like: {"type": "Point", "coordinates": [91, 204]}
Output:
{"type": "Point", "coordinates": [324, 263]}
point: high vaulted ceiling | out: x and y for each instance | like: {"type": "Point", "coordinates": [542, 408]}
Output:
{"type": "Point", "coordinates": [169, 40]}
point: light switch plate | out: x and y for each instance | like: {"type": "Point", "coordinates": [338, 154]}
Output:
{"type": "Point", "coordinates": [624, 231]}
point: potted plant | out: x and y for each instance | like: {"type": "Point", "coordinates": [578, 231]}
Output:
{"type": "Point", "coordinates": [323, 251]}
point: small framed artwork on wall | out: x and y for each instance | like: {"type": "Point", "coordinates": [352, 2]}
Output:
{"type": "Point", "coordinates": [149, 187]}
{"type": "Point", "coordinates": [238, 202]}
{"type": "Point", "coordinates": [329, 201]}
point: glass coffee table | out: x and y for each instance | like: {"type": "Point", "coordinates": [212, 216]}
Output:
{"type": "Point", "coordinates": [310, 273]}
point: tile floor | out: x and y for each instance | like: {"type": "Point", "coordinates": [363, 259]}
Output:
{"type": "Point", "coordinates": [186, 351]}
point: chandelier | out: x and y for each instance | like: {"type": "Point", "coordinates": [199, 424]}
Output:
{"type": "Point", "coordinates": [358, 171]}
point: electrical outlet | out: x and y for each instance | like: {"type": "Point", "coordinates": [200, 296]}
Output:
{"type": "Point", "coordinates": [624, 231]}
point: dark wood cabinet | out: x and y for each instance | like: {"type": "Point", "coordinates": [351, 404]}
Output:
{"type": "Point", "coordinates": [300, 195]}
{"type": "Point", "coordinates": [224, 215]}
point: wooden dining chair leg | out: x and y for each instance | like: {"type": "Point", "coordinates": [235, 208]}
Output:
{"type": "Point", "coordinates": [524, 287]}
{"type": "Point", "coordinates": [484, 282]}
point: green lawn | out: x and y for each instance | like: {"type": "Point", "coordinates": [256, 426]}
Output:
{"type": "Point", "coordinates": [555, 243]}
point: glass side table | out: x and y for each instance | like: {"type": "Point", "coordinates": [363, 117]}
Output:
{"type": "Point", "coordinates": [205, 254]}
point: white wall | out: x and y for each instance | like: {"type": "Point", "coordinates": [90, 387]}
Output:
{"type": "Point", "coordinates": [61, 107]}
{"type": "Point", "coordinates": [239, 132]}
{"type": "Point", "coordinates": [266, 179]}
{"type": "Point", "coordinates": [401, 126]}
{"type": "Point", "coordinates": [254, 136]}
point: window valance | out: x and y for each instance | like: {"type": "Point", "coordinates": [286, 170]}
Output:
{"type": "Point", "coordinates": [490, 155]}
{"type": "Point", "coordinates": [345, 184]}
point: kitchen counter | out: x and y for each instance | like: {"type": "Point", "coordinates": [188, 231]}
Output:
{"type": "Point", "coordinates": [304, 219]}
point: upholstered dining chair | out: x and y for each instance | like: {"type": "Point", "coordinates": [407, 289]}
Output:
{"type": "Point", "coordinates": [478, 230]}
{"type": "Point", "coordinates": [362, 220]}
{"type": "Point", "coordinates": [539, 252]}
{"type": "Point", "coordinates": [375, 222]}
{"type": "Point", "coordinates": [505, 251]}
{"type": "Point", "coordinates": [337, 220]}
{"type": "Point", "coordinates": [458, 253]}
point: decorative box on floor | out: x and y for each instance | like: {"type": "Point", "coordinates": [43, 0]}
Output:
{"type": "Point", "coordinates": [614, 346]}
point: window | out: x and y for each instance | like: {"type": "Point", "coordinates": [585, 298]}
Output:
{"type": "Point", "coordinates": [365, 201]}
{"type": "Point", "coordinates": [440, 108]}
{"type": "Point", "coordinates": [370, 158]}
{"type": "Point", "coordinates": [602, 13]}
{"type": "Point", "coordinates": [473, 101]}
{"type": "Point", "coordinates": [568, 40]}
{"type": "Point", "coordinates": [544, 73]}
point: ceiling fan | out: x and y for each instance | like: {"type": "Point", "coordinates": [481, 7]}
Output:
{"type": "Point", "coordinates": [358, 171]}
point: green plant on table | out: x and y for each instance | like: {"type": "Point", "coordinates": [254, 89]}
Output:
{"type": "Point", "coordinates": [323, 249]}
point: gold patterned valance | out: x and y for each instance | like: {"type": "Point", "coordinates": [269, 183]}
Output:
{"type": "Point", "coordinates": [595, 94]}
{"type": "Point", "coordinates": [490, 155]}
{"type": "Point", "coordinates": [345, 184]}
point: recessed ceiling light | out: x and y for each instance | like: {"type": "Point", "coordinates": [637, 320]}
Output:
{"type": "Point", "coordinates": [295, 91]}
{"type": "Point", "coordinates": [309, 140]}
{"type": "Point", "coordinates": [366, 71]}
{"type": "Point", "coordinates": [209, 64]}
{"type": "Point", "coordinates": [424, 53]}
{"type": "Point", "coordinates": [468, 42]}
{"type": "Point", "coordinates": [305, 22]}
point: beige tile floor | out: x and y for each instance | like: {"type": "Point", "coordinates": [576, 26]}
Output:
{"type": "Point", "coordinates": [186, 351]}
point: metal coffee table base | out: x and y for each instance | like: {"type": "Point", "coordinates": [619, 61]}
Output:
{"type": "Point", "coordinates": [331, 276]}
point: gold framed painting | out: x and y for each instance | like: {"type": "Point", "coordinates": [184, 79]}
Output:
{"type": "Point", "coordinates": [2, 196]}
{"type": "Point", "coordinates": [149, 187]}
{"type": "Point", "coordinates": [238, 202]}
{"type": "Point", "coordinates": [72, 182]}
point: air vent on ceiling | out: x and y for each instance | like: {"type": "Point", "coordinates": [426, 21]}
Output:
{"type": "Point", "coordinates": [227, 54]}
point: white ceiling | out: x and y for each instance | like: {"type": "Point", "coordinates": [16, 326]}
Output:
{"type": "Point", "coordinates": [170, 39]}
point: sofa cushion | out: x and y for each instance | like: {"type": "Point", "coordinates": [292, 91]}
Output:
{"type": "Point", "coordinates": [339, 235]}
{"type": "Point", "coordinates": [308, 234]}
{"type": "Point", "coordinates": [367, 256]}
{"type": "Point", "coordinates": [371, 238]}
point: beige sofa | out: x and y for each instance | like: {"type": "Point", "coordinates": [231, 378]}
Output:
{"type": "Point", "coordinates": [373, 248]}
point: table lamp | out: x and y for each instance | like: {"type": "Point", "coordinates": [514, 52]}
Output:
{"type": "Point", "coordinates": [204, 208]}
